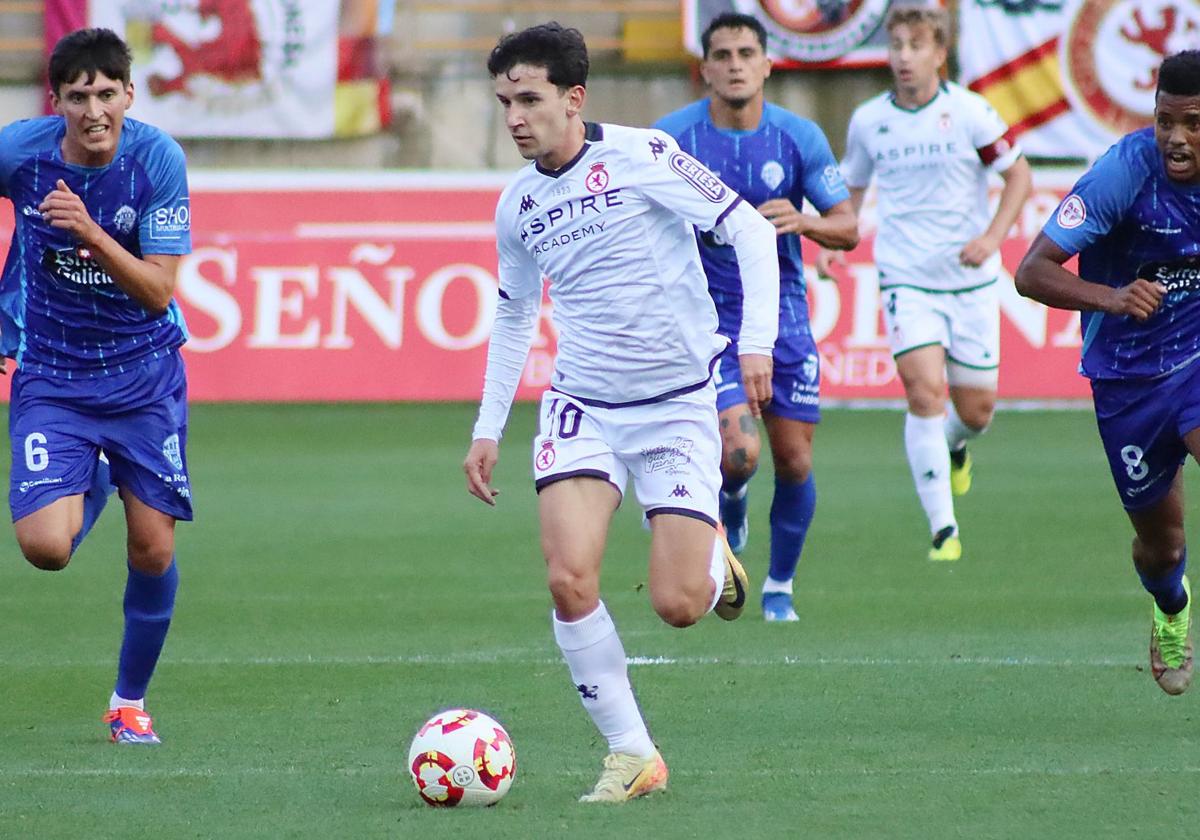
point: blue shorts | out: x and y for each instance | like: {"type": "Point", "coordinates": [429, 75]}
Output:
{"type": "Point", "coordinates": [58, 427]}
{"type": "Point", "coordinates": [795, 386]}
{"type": "Point", "coordinates": [1142, 423]}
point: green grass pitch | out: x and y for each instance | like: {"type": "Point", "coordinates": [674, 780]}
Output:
{"type": "Point", "coordinates": [339, 585]}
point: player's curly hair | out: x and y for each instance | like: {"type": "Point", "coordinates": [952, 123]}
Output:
{"type": "Point", "coordinates": [1179, 74]}
{"type": "Point", "coordinates": [733, 20]}
{"type": "Point", "coordinates": [88, 52]}
{"type": "Point", "coordinates": [560, 49]}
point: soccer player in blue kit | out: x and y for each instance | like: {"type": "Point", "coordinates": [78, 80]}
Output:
{"type": "Point", "coordinates": [99, 398]}
{"type": "Point", "coordinates": [1134, 221]}
{"type": "Point", "coordinates": [775, 160]}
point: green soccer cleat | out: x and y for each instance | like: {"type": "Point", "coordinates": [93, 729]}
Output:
{"type": "Point", "coordinates": [627, 777]}
{"type": "Point", "coordinates": [1171, 647]}
{"type": "Point", "coordinates": [947, 547]}
{"type": "Point", "coordinates": [961, 466]}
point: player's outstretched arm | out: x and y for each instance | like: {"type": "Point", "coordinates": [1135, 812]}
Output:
{"type": "Point", "coordinates": [150, 280]}
{"type": "Point", "coordinates": [481, 460]}
{"type": "Point", "coordinates": [1041, 276]}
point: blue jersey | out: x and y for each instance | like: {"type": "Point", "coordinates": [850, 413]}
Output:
{"type": "Point", "coordinates": [1126, 219]}
{"type": "Point", "coordinates": [61, 315]}
{"type": "Point", "coordinates": [787, 156]}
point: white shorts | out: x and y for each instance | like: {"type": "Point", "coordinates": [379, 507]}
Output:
{"type": "Point", "coordinates": [966, 324]}
{"type": "Point", "coordinates": [671, 449]}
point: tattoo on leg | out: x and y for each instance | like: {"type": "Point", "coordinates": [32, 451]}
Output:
{"type": "Point", "coordinates": [740, 458]}
{"type": "Point", "coordinates": [748, 426]}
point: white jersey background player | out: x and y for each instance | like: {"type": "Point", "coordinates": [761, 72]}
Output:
{"type": "Point", "coordinates": [606, 212]}
{"type": "Point", "coordinates": [929, 144]}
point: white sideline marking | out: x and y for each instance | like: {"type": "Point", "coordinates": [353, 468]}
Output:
{"type": "Point", "coordinates": [772, 772]}
{"type": "Point", "coordinates": [531, 657]}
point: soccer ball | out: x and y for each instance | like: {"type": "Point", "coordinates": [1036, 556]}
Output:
{"type": "Point", "coordinates": [462, 757]}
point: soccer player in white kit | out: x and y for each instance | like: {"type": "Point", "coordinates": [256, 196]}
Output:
{"type": "Point", "coordinates": [606, 212]}
{"type": "Point", "coordinates": [929, 145]}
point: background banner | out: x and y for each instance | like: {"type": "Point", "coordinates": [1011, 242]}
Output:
{"type": "Point", "coordinates": [1071, 77]}
{"type": "Point", "coordinates": [304, 286]}
{"type": "Point", "coordinates": [246, 68]}
{"type": "Point", "coordinates": [823, 33]}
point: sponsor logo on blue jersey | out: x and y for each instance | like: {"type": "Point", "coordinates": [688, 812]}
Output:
{"type": "Point", "coordinates": [75, 266]}
{"type": "Point", "coordinates": [171, 222]}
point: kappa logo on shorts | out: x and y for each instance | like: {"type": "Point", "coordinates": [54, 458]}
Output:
{"type": "Point", "coordinates": [170, 451]}
{"type": "Point", "coordinates": [546, 457]}
{"type": "Point", "coordinates": [681, 492]}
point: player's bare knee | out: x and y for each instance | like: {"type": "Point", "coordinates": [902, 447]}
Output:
{"type": "Point", "coordinates": [151, 557]}
{"type": "Point", "coordinates": [678, 608]}
{"type": "Point", "coordinates": [738, 466]}
{"type": "Point", "coordinates": [49, 555]}
{"type": "Point", "coordinates": [571, 592]}
{"type": "Point", "coordinates": [793, 466]}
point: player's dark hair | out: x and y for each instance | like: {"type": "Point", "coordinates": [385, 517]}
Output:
{"type": "Point", "coordinates": [89, 51]}
{"type": "Point", "coordinates": [559, 49]}
{"type": "Point", "coordinates": [733, 20]}
{"type": "Point", "coordinates": [1179, 74]}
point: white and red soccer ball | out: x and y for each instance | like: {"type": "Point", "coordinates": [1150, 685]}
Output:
{"type": "Point", "coordinates": [462, 757]}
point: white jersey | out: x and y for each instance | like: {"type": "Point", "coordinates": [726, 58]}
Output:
{"type": "Point", "coordinates": [613, 231]}
{"type": "Point", "coordinates": [930, 166]}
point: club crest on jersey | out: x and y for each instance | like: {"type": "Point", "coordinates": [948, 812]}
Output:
{"type": "Point", "coordinates": [170, 451]}
{"type": "Point", "coordinates": [772, 174]}
{"type": "Point", "coordinates": [545, 457]}
{"type": "Point", "coordinates": [944, 122]}
{"type": "Point", "coordinates": [698, 176]}
{"type": "Point", "coordinates": [1071, 213]}
{"type": "Point", "coordinates": [125, 218]}
{"type": "Point", "coordinates": [596, 180]}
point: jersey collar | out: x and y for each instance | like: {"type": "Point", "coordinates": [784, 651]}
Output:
{"type": "Point", "coordinates": [592, 133]}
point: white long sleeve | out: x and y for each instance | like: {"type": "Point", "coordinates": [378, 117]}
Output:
{"type": "Point", "coordinates": [753, 240]}
{"type": "Point", "coordinates": [508, 348]}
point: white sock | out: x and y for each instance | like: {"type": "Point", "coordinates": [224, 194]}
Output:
{"type": "Point", "coordinates": [957, 432]}
{"type": "Point", "coordinates": [116, 701]}
{"type": "Point", "coordinates": [596, 658]}
{"type": "Point", "coordinates": [739, 493]}
{"type": "Point", "coordinates": [771, 585]}
{"type": "Point", "coordinates": [716, 569]}
{"type": "Point", "coordinates": [929, 460]}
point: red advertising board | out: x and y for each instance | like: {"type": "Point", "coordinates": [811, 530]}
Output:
{"type": "Point", "coordinates": [312, 286]}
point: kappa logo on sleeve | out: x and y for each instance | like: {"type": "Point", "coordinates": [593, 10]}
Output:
{"type": "Point", "coordinates": [171, 222]}
{"type": "Point", "coordinates": [695, 173]}
{"type": "Point", "coordinates": [1071, 213]}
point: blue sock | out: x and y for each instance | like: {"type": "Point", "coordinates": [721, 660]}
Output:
{"type": "Point", "coordinates": [149, 602]}
{"type": "Point", "coordinates": [94, 500]}
{"type": "Point", "coordinates": [1168, 589]}
{"type": "Point", "coordinates": [734, 501]}
{"type": "Point", "coordinates": [791, 514]}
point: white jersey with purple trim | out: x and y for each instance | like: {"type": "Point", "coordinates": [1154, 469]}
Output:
{"type": "Point", "coordinates": [612, 230]}
{"type": "Point", "coordinates": [930, 166]}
